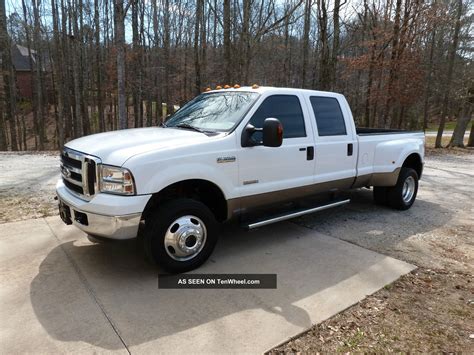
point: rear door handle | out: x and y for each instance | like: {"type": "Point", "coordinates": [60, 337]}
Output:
{"type": "Point", "coordinates": [309, 153]}
{"type": "Point", "coordinates": [350, 149]}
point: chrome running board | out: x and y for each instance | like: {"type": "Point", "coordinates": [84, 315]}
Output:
{"type": "Point", "coordinates": [296, 214]}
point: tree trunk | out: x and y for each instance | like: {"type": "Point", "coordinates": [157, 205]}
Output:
{"type": "Point", "coordinates": [447, 91]}
{"type": "Point", "coordinates": [245, 42]}
{"type": "Point", "coordinates": [66, 75]}
{"type": "Point", "coordinates": [8, 76]}
{"type": "Point", "coordinates": [203, 45]}
{"type": "Point", "coordinates": [393, 65]}
{"type": "Point", "coordinates": [470, 142]}
{"type": "Point", "coordinates": [119, 16]}
{"type": "Point", "coordinates": [3, 137]}
{"type": "Point", "coordinates": [32, 78]}
{"type": "Point", "coordinates": [306, 28]}
{"type": "Point", "coordinates": [324, 62]}
{"type": "Point", "coordinates": [136, 95]}
{"type": "Point", "coordinates": [227, 51]}
{"type": "Point", "coordinates": [83, 77]}
{"type": "Point", "coordinates": [58, 67]}
{"type": "Point", "coordinates": [76, 70]}
{"type": "Point", "coordinates": [429, 80]}
{"type": "Point", "coordinates": [335, 43]}
{"type": "Point", "coordinates": [166, 55]}
{"type": "Point", "coordinates": [100, 105]}
{"type": "Point", "coordinates": [39, 74]}
{"type": "Point", "coordinates": [197, 63]}
{"type": "Point", "coordinates": [457, 140]}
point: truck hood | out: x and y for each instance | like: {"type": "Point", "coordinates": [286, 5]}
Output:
{"type": "Point", "coordinates": [116, 147]}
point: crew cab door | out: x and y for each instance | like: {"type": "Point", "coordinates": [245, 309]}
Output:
{"type": "Point", "coordinates": [271, 174]}
{"type": "Point", "coordinates": [335, 141]}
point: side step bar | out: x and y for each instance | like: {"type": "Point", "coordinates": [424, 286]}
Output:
{"type": "Point", "coordinates": [296, 214]}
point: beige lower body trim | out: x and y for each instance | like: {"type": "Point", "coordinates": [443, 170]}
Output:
{"type": "Point", "coordinates": [248, 203]}
{"type": "Point", "coordinates": [377, 179]}
{"type": "Point", "coordinates": [385, 179]}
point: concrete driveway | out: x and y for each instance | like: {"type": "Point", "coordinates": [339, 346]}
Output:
{"type": "Point", "coordinates": [61, 292]}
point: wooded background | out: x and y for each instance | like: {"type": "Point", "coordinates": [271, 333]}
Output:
{"type": "Point", "coordinates": [99, 65]}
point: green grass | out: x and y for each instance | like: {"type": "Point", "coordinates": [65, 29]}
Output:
{"type": "Point", "coordinates": [352, 342]}
{"type": "Point", "coordinates": [449, 126]}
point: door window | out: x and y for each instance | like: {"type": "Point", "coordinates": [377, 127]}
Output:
{"type": "Point", "coordinates": [287, 109]}
{"type": "Point", "coordinates": [329, 117]}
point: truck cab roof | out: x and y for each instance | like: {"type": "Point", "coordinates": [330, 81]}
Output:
{"type": "Point", "coordinates": [276, 91]}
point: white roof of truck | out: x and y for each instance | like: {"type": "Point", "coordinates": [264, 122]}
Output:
{"type": "Point", "coordinates": [276, 90]}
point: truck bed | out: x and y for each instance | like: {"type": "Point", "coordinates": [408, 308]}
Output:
{"type": "Point", "coordinates": [364, 131]}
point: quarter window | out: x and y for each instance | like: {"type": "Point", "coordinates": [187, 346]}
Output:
{"type": "Point", "coordinates": [329, 117]}
{"type": "Point", "coordinates": [287, 109]}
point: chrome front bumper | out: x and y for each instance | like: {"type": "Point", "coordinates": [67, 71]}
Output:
{"type": "Point", "coordinates": [123, 226]}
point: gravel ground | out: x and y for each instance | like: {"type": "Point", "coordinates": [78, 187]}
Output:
{"type": "Point", "coordinates": [429, 310]}
{"type": "Point", "coordinates": [27, 183]}
{"type": "Point", "coordinates": [433, 233]}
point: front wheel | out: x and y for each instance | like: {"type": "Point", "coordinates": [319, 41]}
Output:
{"type": "Point", "coordinates": [403, 194]}
{"type": "Point", "coordinates": [180, 235]}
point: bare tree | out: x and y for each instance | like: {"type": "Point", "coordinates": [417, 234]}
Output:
{"type": "Point", "coordinates": [227, 43]}
{"type": "Point", "coordinates": [451, 59]}
{"type": "Point", "coordinates": [8, 77]}
{"type": "Point", "coordinates": [119, 18]}
{"type": "Point", "coordinates": [307, 23]}
{"type": "Point", "coordinates": [86, 66]}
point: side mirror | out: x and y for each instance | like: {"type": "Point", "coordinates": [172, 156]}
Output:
{"type": "Point", "coordinates": [272, 132]}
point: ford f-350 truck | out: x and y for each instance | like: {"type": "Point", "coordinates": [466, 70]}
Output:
{"type": "Point", "coordinates": [229, 155]}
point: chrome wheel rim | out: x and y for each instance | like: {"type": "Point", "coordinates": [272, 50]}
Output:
{"type": "Point", "coordinates": [185, 238]}
{"type": "Point", "coordinates": [408, 189]}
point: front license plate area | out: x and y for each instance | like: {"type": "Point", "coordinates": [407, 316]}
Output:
{"type": "Point", "coordinates": [65, 213]}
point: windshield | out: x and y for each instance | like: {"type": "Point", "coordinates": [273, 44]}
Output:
{"type": "Point", "coordinates": [218, 112]}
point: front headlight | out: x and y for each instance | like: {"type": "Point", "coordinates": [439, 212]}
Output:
{"type": "Point", "coordinates": [116, 180]}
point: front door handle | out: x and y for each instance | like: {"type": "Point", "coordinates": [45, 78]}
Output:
{"type": "Point", "coordinates": [310, 153]}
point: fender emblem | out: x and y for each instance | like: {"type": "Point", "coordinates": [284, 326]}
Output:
{"type": "Point", "coordinates": [225, 160]}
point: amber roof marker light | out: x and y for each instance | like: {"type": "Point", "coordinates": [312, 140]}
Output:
{"type": "Point", "coordinates": [218, 87]}
{"type": "Point", "coordinates": [226, 86]}
{"type": "Point", "coordinates": [236, 86]}
{"type": "Point", "coordinates": [207, 89]}
{"type": "Point", "coordinates": [255, 86]}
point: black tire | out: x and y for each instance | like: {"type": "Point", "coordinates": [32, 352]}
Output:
{"type": "Point", "coordinates": [381, 195]}
{"type": "Point", "coordinates": [159, 222]}
{"type": "Point", "coordinates": [395, 194]}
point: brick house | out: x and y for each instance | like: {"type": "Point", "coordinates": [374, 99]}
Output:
{"type": "Point", "coordinates": [23, 71]}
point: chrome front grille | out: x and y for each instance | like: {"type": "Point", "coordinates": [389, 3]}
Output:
{"type": "Point", "coordinates": [79, 172]}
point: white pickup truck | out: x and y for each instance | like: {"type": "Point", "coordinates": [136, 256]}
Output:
{"type": "Point", "coordinates": [251, 154]}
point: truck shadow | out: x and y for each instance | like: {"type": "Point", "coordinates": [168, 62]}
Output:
{"type": "Point", "coordinates": [125, 286]}
{"type": "Point", "coordinates": [375, 227]}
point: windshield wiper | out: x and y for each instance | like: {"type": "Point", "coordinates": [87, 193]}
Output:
{"type": "Point", "coordinates": [188, 126]}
